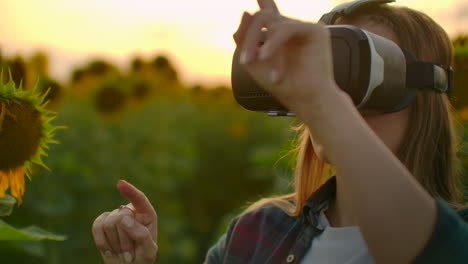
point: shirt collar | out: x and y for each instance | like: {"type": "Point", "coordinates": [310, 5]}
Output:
{"type": "Point", "coordinates": [319, 200]}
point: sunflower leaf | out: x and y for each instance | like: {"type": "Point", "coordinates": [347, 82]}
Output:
{"type": "Point", "coordinates": [31, 248]}
{"type": "Point", "coordinates": [30, 233]}
{"type": "Point", "coordinates": [7, 204]}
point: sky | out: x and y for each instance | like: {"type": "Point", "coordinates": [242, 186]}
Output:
{"type": "Point", "coordinates": [195, 35]}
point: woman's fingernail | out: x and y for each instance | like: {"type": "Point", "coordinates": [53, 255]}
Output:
{"type": "Point", "coordinates": [128, 257]}
{"type": "Point", "coordinates": [120, 181]}
{"type": "Point", "coordinates": [108, 253]}
{"type": "Point", "coordinates": [244, 58]}
{"type": "Point", "coordinates": [274, 76]}
{"type": "Point", "coordinates": [128, 221]}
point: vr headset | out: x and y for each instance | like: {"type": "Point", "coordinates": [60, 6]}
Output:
{"type": "Point", "coordinates": [376, 73]}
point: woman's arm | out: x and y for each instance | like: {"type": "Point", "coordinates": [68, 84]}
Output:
{"type": "Point", "coordinates": [395, 214]}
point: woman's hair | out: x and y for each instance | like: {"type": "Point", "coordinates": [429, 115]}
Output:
{"type": "Point", "coordinates": [430, 145]}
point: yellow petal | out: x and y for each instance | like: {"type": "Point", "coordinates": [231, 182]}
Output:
{"type": "Point", "coordinates": [3, 183]}
{"type": "Point", "coordinates": [20, 177]}
{"type": "Point", "coordinates": [17, 183]}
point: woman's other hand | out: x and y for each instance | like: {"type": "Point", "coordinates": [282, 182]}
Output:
{"type": "Point", "coordinates": [128, 234]}
{"type": "Point", "coordinates": [294, 63]}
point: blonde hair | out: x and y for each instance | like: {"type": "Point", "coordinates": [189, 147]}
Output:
{"type": "Point", "coordinates": [430, 145]}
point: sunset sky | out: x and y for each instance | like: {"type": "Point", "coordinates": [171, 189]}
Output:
{"type": "Point", "coordinates": [195, 35]}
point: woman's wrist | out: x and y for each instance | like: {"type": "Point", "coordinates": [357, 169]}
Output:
{"type": "Point", "coordinates": [323, 106]}
{"type": "Point", "coordinates": [332, 119]}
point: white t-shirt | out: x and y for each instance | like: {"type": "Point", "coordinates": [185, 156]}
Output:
{"type": "Point", "coordinates": [337, 245]}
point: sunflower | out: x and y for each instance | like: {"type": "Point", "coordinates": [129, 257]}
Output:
{"type": "Point", "coordinates": [25, 132]}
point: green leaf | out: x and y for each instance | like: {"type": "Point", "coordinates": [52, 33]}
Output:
{"type": "Point", "coordinates": [31, 248]}
{"type": "Point", "coordinates": [6, 205]}
{"type": "Point", "coordinates": [31, 233]}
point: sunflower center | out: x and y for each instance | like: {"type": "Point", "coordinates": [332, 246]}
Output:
{"type": "Point", "coordinates": [20, 133]}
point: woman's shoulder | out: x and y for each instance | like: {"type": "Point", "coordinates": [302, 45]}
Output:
{"type": "Point", "coordinates": [264, 216]}
{"type": "Point", "coordinates": [268, 211]}
{"type": "Point", "coordinates": [256, 233]}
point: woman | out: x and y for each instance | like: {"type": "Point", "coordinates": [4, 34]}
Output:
{"type": "Point", "coordinates": [394, 196]}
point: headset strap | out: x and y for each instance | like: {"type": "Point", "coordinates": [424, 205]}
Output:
{"type": "Point", "coordinates": [422, 75]}
{"type": "Point", "coordinates": [347, 8]}
{"type": "Point", "coordinates": [427, 75]}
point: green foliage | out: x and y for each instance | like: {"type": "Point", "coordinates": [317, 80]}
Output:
{"type": "Point", "coordinates": [460, 45]}
{"type": "Point", "coordinates": [30, 233]}
{"type": "Point", "coordinates": [7, 204]}
{"type": "Point", "coordinates": [198, 158]}
{"type": "Point", "coordinates": [461, 51]}
{"type": "Point", "coordinates": [22, 241]}
{"type": "Point", "coordinates": [459, 97]}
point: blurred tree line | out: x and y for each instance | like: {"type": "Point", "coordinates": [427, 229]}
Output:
{"type": "Point", "coordinates": [193, 150]}
{"type": "Point", "coordinates": [460, 66]}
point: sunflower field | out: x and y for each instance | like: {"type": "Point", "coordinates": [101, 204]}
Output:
{"type": "Point", "coordinates": [198, 156]}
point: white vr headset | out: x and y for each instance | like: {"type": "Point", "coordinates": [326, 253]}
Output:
{"type": "Point", "coordinates": [376, 73]}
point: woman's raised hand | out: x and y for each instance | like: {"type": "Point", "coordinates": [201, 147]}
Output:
{"type": "Point", "coordinates": [294, 63]}
{"type": "Point", "coordinates": [128, 234]}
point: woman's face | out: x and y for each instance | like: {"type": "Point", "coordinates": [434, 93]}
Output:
{"type": "Point", "coordinates": [389, 127]}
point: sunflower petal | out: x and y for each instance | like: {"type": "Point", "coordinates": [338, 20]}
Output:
{"type": "Point", "coordinates": [17, 183]}
{"type": "Point", "coordinates": [3, 183]}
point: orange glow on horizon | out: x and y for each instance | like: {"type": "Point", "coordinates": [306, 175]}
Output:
{"type": "Point", "coordinates": [196, 35]}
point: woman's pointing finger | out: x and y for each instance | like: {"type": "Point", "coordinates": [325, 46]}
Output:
{"type": "Point", "coordinates": [267, 4]}
{"type": "Point", "coordinates": [138, 199]}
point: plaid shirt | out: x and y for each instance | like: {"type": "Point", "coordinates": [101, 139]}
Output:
{"type": "Point", "coordinates": [268, 235]}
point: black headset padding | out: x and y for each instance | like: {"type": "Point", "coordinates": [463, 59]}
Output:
{"type": "Point", "coordinates": [410, 91]}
